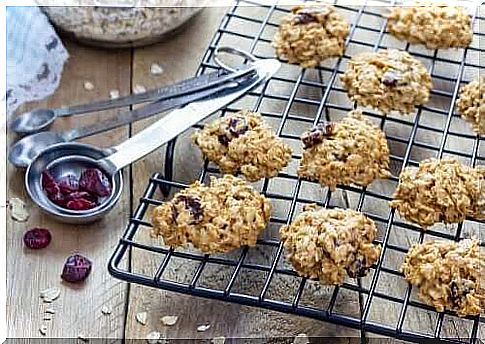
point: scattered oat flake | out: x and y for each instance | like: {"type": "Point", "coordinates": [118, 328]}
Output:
{"type": "Point", "coordinates": [203, 328]}
{"type": "Point", "coordinates": [218, 340]}
{"type": "Point", "coordinates": [88, 85]}
{"type": "Point", "coordinates": [83, 338]}
{"type": "Point", "coordinates": [106, 310]}
{"type": "Point", "coordinates": [169, 320]}
{"type": "Point", "coordinates": [50, 294]}
{"type": "Point", "coordinates": [18, 210]}
{"type": "Point", "coordinates": [43, 330]}
{"type": "Point", "coordinates": [139, 89]}
{"type": "Point", "coordinates": [141, 317]}
{"type": "Point", "coordinates": [47, 318]}
{"type": "Point", "coordinates": [301, 338]}
{"type": "Point", "coordinates": [50, 311]}
{"type": "Point", "coordinates": [113, 94]}
{"type": "Point", "coordinates": [153, 337]}
{"type": "Point", "coordinates": [156, 69]}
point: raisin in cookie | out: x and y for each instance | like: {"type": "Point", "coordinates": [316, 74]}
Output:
{"type": "Point", "coordinates": [435, 26]}
{"type": "Point", "coordinates": [310, 34]}
{"type": "Point", "coordinates": [440, 191]}
{"type": "Point", "coordinates": [471, 104]}
{"type": "Point", "coordinates": [220, 217]}
{"type": "Point", "coordinates": [243, 142]}
{"type": "Point", "coordinates": [388, 80]}
{"type": "Point", "coordinates": [448, 275]}
{"type": "Point", "coordinates": [353, 151]}
{"type": "Point", "coordinates": [330, 244]}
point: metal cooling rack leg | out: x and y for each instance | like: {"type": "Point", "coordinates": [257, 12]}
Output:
{"type": "Point", "coordinates": [168, 171]}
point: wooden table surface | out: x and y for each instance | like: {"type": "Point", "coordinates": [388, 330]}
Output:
{"type": "Point", "coordinates": [79, 310]}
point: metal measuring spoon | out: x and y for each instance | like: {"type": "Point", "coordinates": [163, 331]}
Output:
{"type": "Point", "coordinates": [40, 119]}
{"type": "Point", "coordinates": [72, 158]}
{"type": "Point", "coordinates": [26, 149]}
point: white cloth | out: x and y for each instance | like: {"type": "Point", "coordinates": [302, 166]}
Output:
{"type": "Point", "coordinates": [35, 56]}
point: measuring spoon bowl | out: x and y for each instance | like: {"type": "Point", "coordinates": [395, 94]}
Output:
{"type": "Point", "coordinates": [23, 152]}
{"type": "Point", "coordinates": [71, 158]}
{"type": "Point", "coordinates": [33, 121]}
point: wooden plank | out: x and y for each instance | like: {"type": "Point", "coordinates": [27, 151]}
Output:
{"type": "Point", "coordinates": [78, 309]}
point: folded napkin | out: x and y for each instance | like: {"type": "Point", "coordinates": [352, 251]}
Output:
{"type": "Point", "coordinates": [35, 56]}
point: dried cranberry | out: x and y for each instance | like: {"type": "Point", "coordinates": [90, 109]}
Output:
{"type": "Point", "coordinates": [238, 126]}
{"type": "Point", "coordinates": [193, 205]}
{"type": "Point", "coordinates": [94, 181]}
{"type": "Point", "coordinates": [37, 238]}
{"type": "Point", "coordinates": [50, 186]}
{"type": "Point", "coordinates": [68, 184]}
{"type": "Point", "coordinates": [357, 268]}
{"type": "Point", "coordinates": [317, 134]}
{"type": "Point", "coordinates": [76, 268]}
{"type": "Point", "coordinates": [305, 18]}
{"type": "Point", "coordinates": [224, 139]}
{"type": "Point", "coordinates": [81, 194]}
{"type": "Point", "coordinates": [391, 78]}
{"type": "Point", "coordinates": [80, 204]}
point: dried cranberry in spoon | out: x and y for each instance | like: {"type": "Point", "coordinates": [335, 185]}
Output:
{"type": "Point", "coordinates": [94, 181]}
{"type": "Point", "coordinates": [68, 184]}
{"type": "Point", "coordinates": [76, 268]}
{"type": "Point", "coordinates": [37, 238]}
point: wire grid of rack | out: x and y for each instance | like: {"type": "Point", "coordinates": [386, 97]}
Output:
{"type": "Point", "coordinates": [436, 122]}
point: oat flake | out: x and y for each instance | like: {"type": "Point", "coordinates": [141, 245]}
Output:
{"type": "Point", "coordinates": [43, 330]}
{"type": "Point", "coordinates": [106, 310]}
{"type": "Point", "coordinates": [153, 337]}
{"type": "Point", "coordinates": [88, 86]}
{"type": "Point", "coordinates": [50, 311]}
{"type": "Point", "coordinates": [139, 89]}
{"type": "Point", "coordinates": [141, 318]}
{"type": "Point", "coordinates": [218, 340]}
{"type": "Point", "coordinates": [83, 338]}
{"type": "Point", "coordinates": [50, 294]}
{"type": "Point", "coordinates": [169, 320]}
{"type": "Point", "coordinates": [156, 69]}
{"type": "Point", "coordinates": [18, 210]}
{"type": "Point", "coordinates": [113, 94]}
{"type": "Point", "coordinates": [301, 338]}
{"type": "Point", "coordinates": [203, 328]}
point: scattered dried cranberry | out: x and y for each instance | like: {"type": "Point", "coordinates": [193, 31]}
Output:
{"type": "Point", "coordinates": [80, 204]}
{"type": "Point", "coordinates": [192, 204]}
{"type": "Point", "coordinates": [94, 181]}
{"type": "Point", "coordinates": [76, 268]}
{"type": "Point", "coordinates": [37, 238]}
{"type": "Point", "coordinates": [317, 134]}
{"type": "Point", "coordinates": [391, 78]}
{"type": "Point", "coordinates": [68, 184]}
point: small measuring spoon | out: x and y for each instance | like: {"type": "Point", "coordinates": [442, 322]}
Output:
{"type": "Point", "coordinates": [40, 119]}
{"type": "Point", "coordinates": [26, 149]}
{"type": "Point", "coordinates": [72, 158]}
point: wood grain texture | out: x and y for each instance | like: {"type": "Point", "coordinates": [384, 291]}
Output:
{"type": "Point", "coordinates": [78, 309]}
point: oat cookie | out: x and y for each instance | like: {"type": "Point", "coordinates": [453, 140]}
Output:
{"type": "Point", "coordinates": [220, 217]}
{"type": "Point", "coordinates": [437, 26]}
{"type": "Point", "coordinates": [353, 151]}
{"type": "Point", "coordinates": [471, 104]}
{"type": "Point", "coordinates": [389, 80]}
{"type": "Point", "coordinates": [330, 244]}
{"type": "Point", "coordinates": [243, 142]}
{"type": "Point", "coordinates": [448, 275]}
{"type": "Point", "coordinates": [311, 33]}
{"type": "Point", "coordinates": [440, 191]}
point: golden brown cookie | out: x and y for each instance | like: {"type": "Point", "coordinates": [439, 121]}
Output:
{"type": "Point", "coordinates": [311, 33]}
{"type": "Point", "coordinates": [434, 25]}
{"type": "Point", "coordinates": [352, 151]}
{"type": "Point", "coordinates": [220, 217]}
{"type": "Point", "coordinates": [388, 80]}
{"type": "Point", "coordinates": [448, 275]}
{"type": "Point", "coordinates": [471, 104]}
{"type": "Point", "coordinates": [440, 191]}
{"type": "Point", "coordinates": [243, 142]}
{"type": "Point", "coordinates": [330, 244]}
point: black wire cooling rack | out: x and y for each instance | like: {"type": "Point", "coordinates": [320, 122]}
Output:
{"type": "Point", "coordinates": [298, 98]}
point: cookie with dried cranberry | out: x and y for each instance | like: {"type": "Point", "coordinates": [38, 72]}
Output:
{"type": "Point", "coordinates": [437, 26]}
{"type": "Point", "coordinates": [388, 80]}
{"type": "Point", "coordinates": [243, 142]}
{"type": "Point", "coordinates": [471, 104]}
{"type": "Point", "coordinates": [330, 244]}
{"type": "Point", "coordinates": [448, 275]}
{"type": "Point", "coordinates": [217, 218]}
{"type": "Point", "coordinates": [311, 33]}
{"type": "Point", "coordinates": [352, 151]}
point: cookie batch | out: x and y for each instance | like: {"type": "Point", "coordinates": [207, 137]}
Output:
{"type": "Point", "coordinates": [334, 244]}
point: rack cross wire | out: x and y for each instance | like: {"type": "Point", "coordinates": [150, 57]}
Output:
{"type": "Point", "coordinates": [310, 96]}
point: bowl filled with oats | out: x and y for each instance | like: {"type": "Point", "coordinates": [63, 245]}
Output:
{"type": "Point", "coordinates": [122, 23]}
